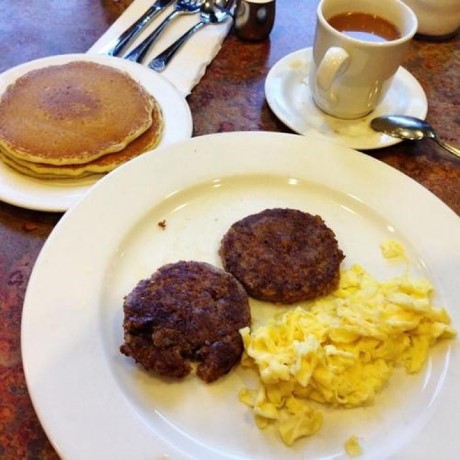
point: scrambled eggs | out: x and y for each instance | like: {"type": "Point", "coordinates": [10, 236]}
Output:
{"type": "Point", "coordinates": [352, 447]}
{"type": "Point", "coordinates": [340, 349]}
{"type": "Point", "coordinates": [393, 250]}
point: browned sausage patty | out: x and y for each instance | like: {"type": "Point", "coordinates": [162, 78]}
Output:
{"type": "Point", "coordinates": [282, 255]}
{"type": "Point", "coordinates": [186, 311]}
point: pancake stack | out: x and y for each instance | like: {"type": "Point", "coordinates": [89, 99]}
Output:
{"type": "Point", "coordinates": [76, 119]}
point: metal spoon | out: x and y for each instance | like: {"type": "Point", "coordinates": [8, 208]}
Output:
{"type": "Point", "coordinates": [181, 7]}
{"type": "Point", "coordinates": [210, 13]}
{"type": "Point", "coordinates": [129, 35]}
{"type": "Point", "coordinates": [411, 128]}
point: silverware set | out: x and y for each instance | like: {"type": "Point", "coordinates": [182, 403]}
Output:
{"type": "Point", "coordinates": [208, 11]}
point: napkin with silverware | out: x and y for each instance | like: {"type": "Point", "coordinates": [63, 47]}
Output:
{"type": "Point", "coordinates": [189, 65]}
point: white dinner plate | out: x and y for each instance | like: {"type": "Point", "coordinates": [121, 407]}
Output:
{"type": "Point", "coordinates": [288, 95]}
{"type": "Point", "coordinates": [58, 195]}
{"type": "Point", "coordinates": [95, 402]}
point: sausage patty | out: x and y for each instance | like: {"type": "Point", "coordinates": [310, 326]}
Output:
{"type": "Point", "coordinates": [282, 255]}
{"type": "Point", "coordinates": [186, 311]}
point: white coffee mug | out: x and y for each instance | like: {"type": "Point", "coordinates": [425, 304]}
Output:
{"type": "Point", "coordinates": [436, 18]}
{"type": "Point", "coordinates": [350, 76]}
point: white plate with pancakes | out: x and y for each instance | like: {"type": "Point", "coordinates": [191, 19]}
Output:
{"type": "Point", "coordinates": [57, 195]}
{"type": "Point", "coordinates": [93, 402]}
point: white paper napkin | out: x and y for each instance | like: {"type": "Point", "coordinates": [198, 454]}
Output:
{"type": "Point", "coordinates": [189, 65]}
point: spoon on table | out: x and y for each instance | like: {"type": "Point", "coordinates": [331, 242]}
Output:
{"type": "Point", "coordinates": [411, 128]}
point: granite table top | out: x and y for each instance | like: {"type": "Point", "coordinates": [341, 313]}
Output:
{"type": "Point", "coordinates": [230, 97]}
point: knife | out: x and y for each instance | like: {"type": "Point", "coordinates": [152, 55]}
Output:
{"type": "Point", "coordinates": [127, 37]}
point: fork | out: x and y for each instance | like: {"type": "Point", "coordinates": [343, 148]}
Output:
{"type": "Point", "coordinates": [127, 37]}
{"type": "Point", "coordinates": [210, 13]}
{"type": "Point", "coordinates": [181, 7]}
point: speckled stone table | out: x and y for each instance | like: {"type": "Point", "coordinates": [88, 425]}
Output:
{"type": "Point", "coordinates": [230, 97]}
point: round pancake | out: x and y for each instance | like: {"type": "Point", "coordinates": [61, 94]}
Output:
{"type": "Point", "coordinates": [282, 255]}
{"type": "Point", "coordinates": [72, 113]}
{"type": "Point", "coordinates": [186, 312]}
{"type": "Point", "coordinates": [106, 163]}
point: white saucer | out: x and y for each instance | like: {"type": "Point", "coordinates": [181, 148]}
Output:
{"type": "Point", "coordinates": [289, 97]}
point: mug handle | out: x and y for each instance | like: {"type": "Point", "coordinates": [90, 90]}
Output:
{"type": "Point", "coordinates": [333, 64]}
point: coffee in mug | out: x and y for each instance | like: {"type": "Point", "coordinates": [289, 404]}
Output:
{"type": "Point", "coordinates": [350, 74]}
{"type": "Point", "coordinates": [364, 26]}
